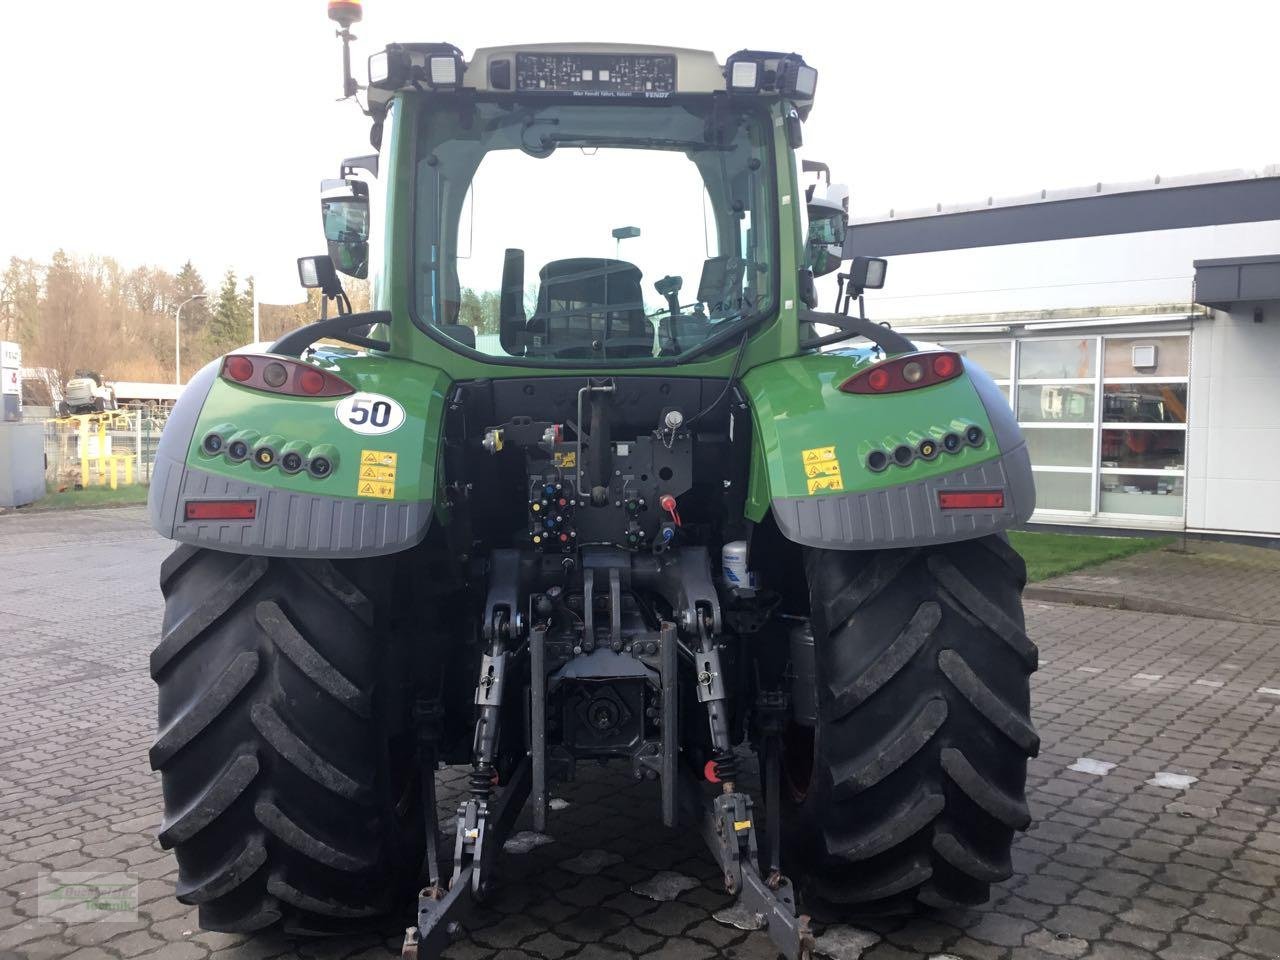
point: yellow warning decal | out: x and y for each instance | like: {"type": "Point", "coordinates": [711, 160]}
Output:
{"type": "Point", "coordinates": [819, 454]}
{"type": "Point", "coordinates": [373, 488]}
{"type": "Point", "coordinates": [567, 459]}
{"type": "Point", "coordinates": [821, 469]}
{"type": "Point", "coordinates": [825, 483]}
{"type": "Point", "coordinates": [740, 825]}
{"type": "Point", "coordinates": [377, 477]}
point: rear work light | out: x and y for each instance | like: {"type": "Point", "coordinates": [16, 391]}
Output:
{"type": "Point", "coordinates": [221, 509]}
{"type": "Point", "coordinates": [971, 499]}
{"type": "Point", "coordinates": [908, 372]}
{"type": "Point", "coordinates": [282, 375]}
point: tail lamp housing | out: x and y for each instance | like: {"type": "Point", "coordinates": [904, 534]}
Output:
{"type": "Point", "coordinates": [282, 375]}
{"type": "Point", "coordinates": [908, 372]}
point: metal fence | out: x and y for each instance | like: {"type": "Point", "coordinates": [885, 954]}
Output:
{"type": "Point", "coordinates": [102, 449]}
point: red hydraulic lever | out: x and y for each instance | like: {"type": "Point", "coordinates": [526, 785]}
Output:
{"type": "Point", "coordinates": [668, 503]}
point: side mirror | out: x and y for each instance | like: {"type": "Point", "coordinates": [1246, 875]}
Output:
{"type": "Point", "coordinates": [344, 211]}
{"type": "Point", "coordinates": [824, 246]}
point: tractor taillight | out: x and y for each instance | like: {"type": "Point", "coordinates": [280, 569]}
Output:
{"type": "Point", "coordinates": [946, 364]}
{"type": "Point", "coordinates": [238, 368]}
{"type": "Point", "coordinates": [909, 372]}
{"type": "Point", "coordinates": [282, 375]}
{"type": "Point", "coordinates": [311, 382]}
{"type": "Point", "coordinates": [971, 499]}
{"type": "Point", "coordinates": [221, 509]}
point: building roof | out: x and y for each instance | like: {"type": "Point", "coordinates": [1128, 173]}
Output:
{"type": "Point", "coordinates": [1228, 281]}
{"type": "Point", "coordinates": [1046, 320]}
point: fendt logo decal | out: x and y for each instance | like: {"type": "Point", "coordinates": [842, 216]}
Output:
{"type": "Point", "coordinates": [370, 413]}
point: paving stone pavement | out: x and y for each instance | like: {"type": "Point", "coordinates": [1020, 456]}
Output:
{"type": "Point", "coordinates": [1115, 866]}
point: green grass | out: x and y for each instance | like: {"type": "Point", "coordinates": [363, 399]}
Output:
{"type": "Point", "coordinates": [92, 497]}
{"type": "Point", "coordinates": [1051, 554]}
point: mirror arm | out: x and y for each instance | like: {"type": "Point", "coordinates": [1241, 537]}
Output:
{"type": "Point", "coordinates": [351, 164]}
{"type": "Point", "coordinates": [295, 341]}
{"type": "Point", "coordinates": [887, 339]}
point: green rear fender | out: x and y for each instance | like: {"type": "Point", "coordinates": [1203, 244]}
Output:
{"type": "Point", "coordinates": [376, 495]}
{"type": "Point", "coordinates": [813, 463]}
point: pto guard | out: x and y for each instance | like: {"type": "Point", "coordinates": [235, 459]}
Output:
{"type": "Point", "coordinates": [871, 512]}
{"type": "Point", "coordinates": [286, 522]}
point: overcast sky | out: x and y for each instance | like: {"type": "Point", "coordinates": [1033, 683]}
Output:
{"type": "Point", "coordinates": [157, 130]}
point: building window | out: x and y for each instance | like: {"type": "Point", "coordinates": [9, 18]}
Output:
{"type": "Point", "coordinates": [1072, 492]}
{"type": "Point", "coordinates": [1061, 448]}
{"type": "Point", "coordinates": [1056, 403]}
{"type": "Point", "coordinates": [1144, 403]}
{"type": "Point", "coordinates": [1073, 358]}
{"type": "Point", "coordinates": [1056, 383]}
{"type": "Point", "coordinates": [1141, 495]}
{"type": "Point", "coordinates": [1144, 449]}
{"type": "Point", "coordinates": [1146, 356]}
{"type": "Point", "coordinates": [1143, 446]}
{"type": "Point", "coordinates": [993, 356]}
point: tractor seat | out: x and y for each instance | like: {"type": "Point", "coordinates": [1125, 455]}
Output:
{"type": "Point", "coordinates": [588, 297]}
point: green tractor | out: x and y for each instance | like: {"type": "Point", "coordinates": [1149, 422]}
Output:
{"type": "Point", "coordinates": [594, 482]}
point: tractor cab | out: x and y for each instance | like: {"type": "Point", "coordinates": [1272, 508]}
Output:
{"type": "Point", "coordinates": [580, 204]}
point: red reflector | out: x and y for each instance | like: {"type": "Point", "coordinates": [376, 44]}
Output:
{"type": "Point", "coordinates": [222, 509]}
{"type": "Point", "coordinates": [238, 368]}
{"type": "Point", "coordinates": [971, 499]}
{"type": "Point", "coordinates": [944, 364]}
{"type": "Point", "coordinates": [878, 379]}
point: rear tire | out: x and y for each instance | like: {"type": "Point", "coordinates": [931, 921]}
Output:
{"type": "Point", "coordinates": [909, 789]}
{"type": "Point", "coordinates": [290, 789]}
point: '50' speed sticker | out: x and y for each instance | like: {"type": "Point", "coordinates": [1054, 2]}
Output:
{"type": "Point", "coordinates": [369, 413]}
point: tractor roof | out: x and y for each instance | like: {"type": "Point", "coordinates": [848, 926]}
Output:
{"type": "Point", "coordinates": [590, 71]}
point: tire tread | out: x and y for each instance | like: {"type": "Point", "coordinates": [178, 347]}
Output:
{"type": "Point", "coordinates": [924, 729]}
{"type": "Point", "coordinates": [277, 772]}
